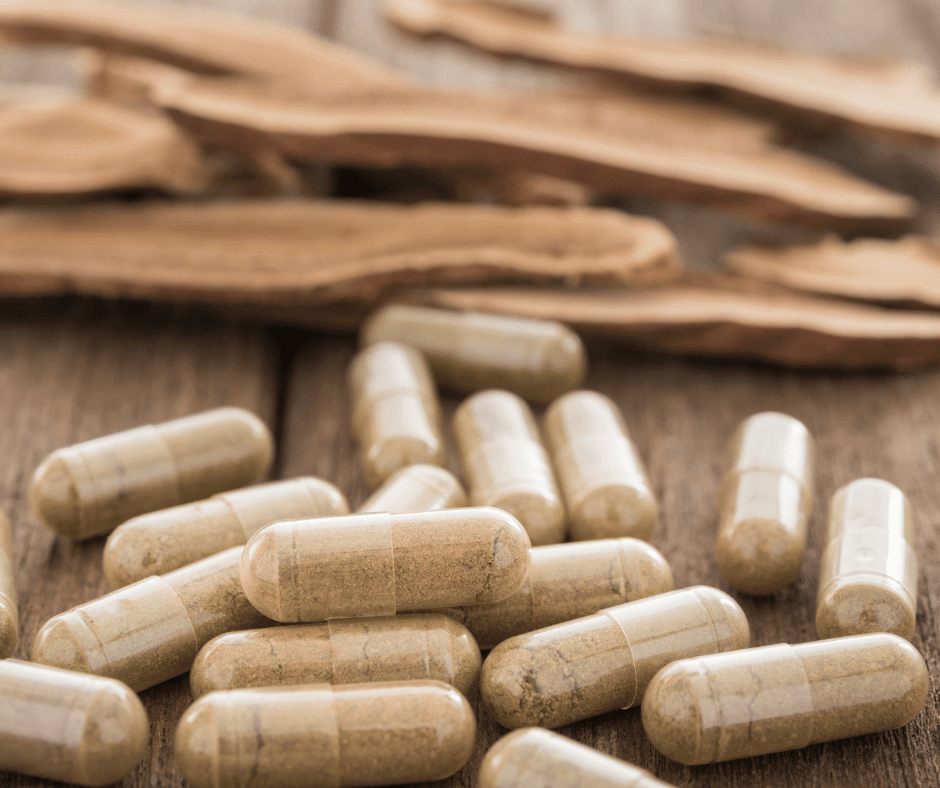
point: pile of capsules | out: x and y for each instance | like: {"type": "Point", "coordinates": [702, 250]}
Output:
{"type": "Point", "coordinates": [388, 607]}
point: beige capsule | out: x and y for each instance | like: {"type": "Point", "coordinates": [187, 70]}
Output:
{"type": "Point", "coordinates": [9, 616]}
{"type": "Point", "coordinates": [67, 726]}
{"type": "Point", "coordinates": [764, 501]}
{"type": "Point", "coordinates": [90, 488]}
{"type": "Point", "coordinates": [868, 574]}
{"type": "Point", "coordinates": [537, 758]}
{"type": "Point", "coordinates": [506, 465]}
{"type": "Point", "coordinates": [417, 488]}
{"type": "Point", "coordinates": [468, 351]}
{"type": "Point", "coordinates": [605, 487]}
{"type": "Point", "coordinates": [599, 663]}
{"type": "Point", "coordinates": [326, 737]}
{"type": "Point", "coordinates": [381, 564]}
{"type": "Point", "coordinates": [775, 698]}
{"type": "Point", "coordinates": [341, 651]}
{"type": "Point", "coordinates": [159, 542]}
{"type": "Point", "coordinates": [152, 630]}
{"type": "Point", "coordinates": [396, 417]}
{"type": "Point", "coordinates": [567, 581]}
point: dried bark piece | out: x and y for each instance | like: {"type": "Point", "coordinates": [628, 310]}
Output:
{"type": "Point", "coordinates": [903, 272]}
{"type": "Point", "coordinates": [61, 148]}
{"type": "Point", "coordinates": [717, 316]}
{"type": "Point", "coordinates": [897, 100]}
{"type": "Point", "coordinates": [296, 252]}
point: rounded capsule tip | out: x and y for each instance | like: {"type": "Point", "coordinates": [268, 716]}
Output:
{"type": "Point", "coordinates": [511, 556]}
{"type": "Point", "coordinates": [125, 554]}
{"type": "Point", "coordinates": [258, 436]}
{"type": "Point", "coordinates": [565, 361]}
{"type": "Point", "coordinates": [759, 556]}
{"type": "Point", "coordinates": [543, 518]}
{"type": "Point", "coordinates": [9, 626]}
{"type": "Point", "coordinates": [498, 758]}
{"type": "Point", "coordinates": [57, 644]}
{"type": "Point", "coordinates": [654, 575]}
{"type": "Point", "coordinates": [857, 608]}
{"type": "Point", "coordinates": [259, 573]}
{"type": "Point", "coordinates": [332, 502]}
{"type": "Point", "coordinates": [116, 735]}
{"type": "Point", "coordinates": [465, 657]}
{"type": "Point", "coordinates": [209, 673]}
{"type": "Point", "coordinates": [54, 497]}
{"type": "Point", "coordinates": [614, 511]}
{"type": "Point", "coordinates": [671, 715]}
{"type": "Point", "coordinates": [195, 748]}
{"type": "Point", "coordinates": [505, 686]}
{"type": "Point", "coordinates": [457, 730]}
{"type": "Point", "coordinates": [727, 616]}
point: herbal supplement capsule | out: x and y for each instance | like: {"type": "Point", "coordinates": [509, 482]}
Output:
{"type": "Point", "coordinates": [468, 351]}
{"type": "Point", "coordinates": [67, 726]}
{"type": "Point", "coordinates": [341, 651]}
{"type": "Point", "coordinates": [603, 662]}
{"type": "Point", "coordinates": [9, 616]}
{"type": "Point", "coordinates": [868, 573]}
{"type": "Point", "coordinates": [764, 501]}
{"type": "Point", "coordinates": [567, 581]}
{"type": "Point", "coordinates": [159, 542]}
{"type": "Point", "coordinates": [378, 564]}
{"type": "Point", "coordinates": [152, 630]}
{"type": "Point", "coordinates": [506, 465]}
{"type": "Point", "coordinates": [396, 415]}
{"type": "Point", "coordinates": [537, 758]}
{"type": "Point", "coordinates": [417, 488]}
{"type": "Point", "coordinates": [90, 488]}
{"type": "Point", "coordinates": [602, 477]}
{"type": "Point", "coordinates": [776, 698]}
{"type": "Point", "coordinates": [326, 737]}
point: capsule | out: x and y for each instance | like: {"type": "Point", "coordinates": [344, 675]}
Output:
{"type": "Point", "coordinates": [326, 737]}
{"type": "Point", "coordinates": [783, 697]}
{"type": "Point", "coordinates": [90, 488]}
{"type": "Point", "coordinates": [417, 488]}
{"type": "Point", "coordinates": [506, 465]}
{"type": "Point", "coordinates": [67, 726]}
{"type": "Point", "coordinates": [159, 542]}
{"type": "Point", "coordinates": [341, 651]}
{"type": "Point", "coordinates": [599, 663]}
{"type": "Point", "coordinates": [604, 483]}
{"type": "Point", "coordinates": [368, 565]}
{"type": "Point", "coordinates": [9, 617]}
{"type": "Point", "coordinates": [152, 630]}
{"type": "Point", "coordinates": [537, 758]}
{"type": "Point", "coordinates": [868, 575]}
{"type": "Point", "coordinates": [537, 359]}
{"type": "Point", "coordinates": [567, 581]}
{"type": "Point", "coordinates": [764, 501]}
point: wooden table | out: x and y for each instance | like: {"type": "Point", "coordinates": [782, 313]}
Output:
{"type": "Point", "coordinates": [74, 369]}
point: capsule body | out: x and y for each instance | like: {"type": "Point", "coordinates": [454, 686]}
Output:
{"type": "Point", "coordinates": [506, 465]}
{"type": "Point", "coordinates": [468, 351]}
{"type": "Point", "coordinates": [417, 488]}
{"type": "Point", "coordinates": [396, 417]}
{"type": "Point", "coordinates": [90, 488]}
{"type": "Point", "coordinates": [568, 581]}
{"type": "Point", "coordinates": [537, 758]}
{"type": "Point", "coordinates": [159, 542]}
{"type": "Point", "coordinates": [68, 726]}
{"type": "Point", "coordinates": [783, 697]}
{"type": "Point", "coordinates": [764, 501]}
{"type": "Point", "coordinates": [602, 478]}
{"type": "Point", "coordinates": [341, 651]}
{"type": "Point", "coordinates": [9, 615]}
{"type": "Point", "coordinates": [326, 737]}
{"type": "Point", "coordinates": [378, 564]}
{"type": "Point", "coordinates": [599, 663]}
{"type": "Point", "coordinates": [868, 574]}
{"type": "Point", "coordinates": [152, 630]}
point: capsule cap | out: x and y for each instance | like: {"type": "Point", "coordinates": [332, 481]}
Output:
{"type": "Point", "coordinates": [54, 498]}
{"type": "Point", "coordinates": [116, 735]}
{"type": "Point", "coordinates": [57, 643]}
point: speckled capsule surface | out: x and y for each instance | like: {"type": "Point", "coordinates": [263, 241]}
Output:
{"type": "Point", "coordinates": [567, 581]}
{"type": "Point", "coordinates": [152, 630]}
{"type": "Point", "coordinates": [341, 651]}
{"type": "Point", "coordinates": [159, 542]}
{"type": "Point", "coordinates": [9, 616]}
{"type": "Point", "coordinates": [468, 351]}
{"type": "Point", "coordinates": [605, 487]}
{"type": "Point", "coordinates": [417, 488]}
{"type": "Point", "coordinates": [599, 663]}
{"type": "Point", "coordinates": [68, 726]}
{"type": "Point", "coordinates": [506, 465]}
{"type": "Point", "coordinates": [783, 697]}
{"type": "Point", "coordinates": [368, 565]}
{"type": "Point", "coordinates": [868, 573]}
{"type": "Point", "coordinates": [326, 737]}
{"type": "Point", "coordinates": [396, 418]}
{"type": "Point", "coordinates": [537, 758]}
{"type": "Point", "coordinates": [764, 501]}
{"type": "Point", "coordinates": [90, 488]}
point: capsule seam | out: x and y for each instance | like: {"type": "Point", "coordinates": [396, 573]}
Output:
{"type": "Point", "coordinates": [626, 637]}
